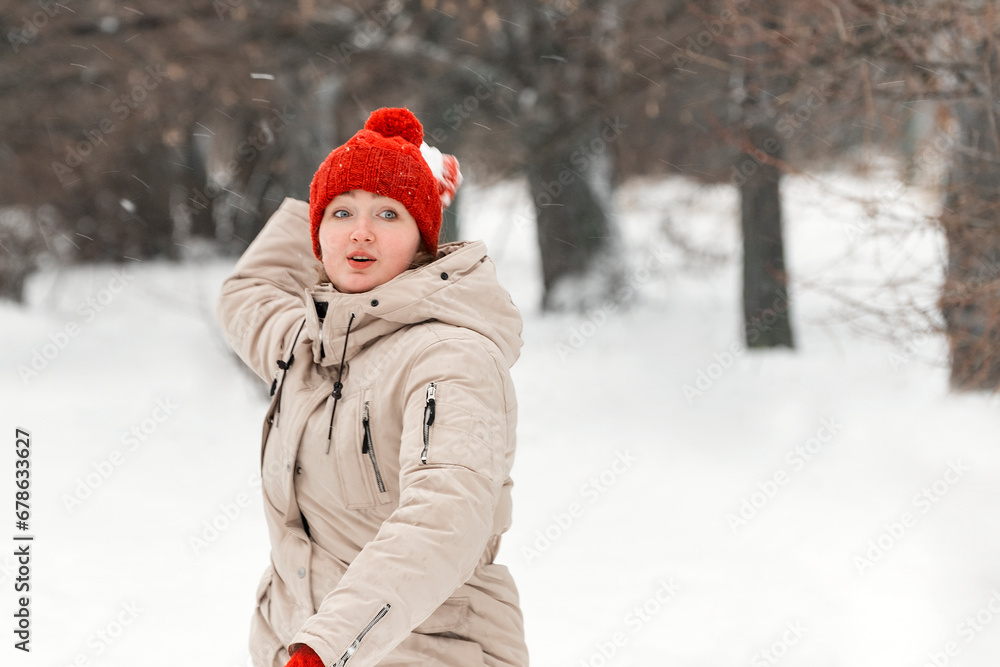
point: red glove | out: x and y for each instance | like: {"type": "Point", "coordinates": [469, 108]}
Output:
{"type": "Point", "coordinates": [305, 657]}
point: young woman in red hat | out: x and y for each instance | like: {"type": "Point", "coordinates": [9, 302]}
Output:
{"type": "Point", "coordinates": [389, 439]}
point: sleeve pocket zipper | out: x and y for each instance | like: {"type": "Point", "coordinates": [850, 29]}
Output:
{"type": "Point", "coordinates": [352, 649]}
{"type": "Point", "coordinates": [369, 449]}
{"type": "Point", "coordinates": [428, 419]}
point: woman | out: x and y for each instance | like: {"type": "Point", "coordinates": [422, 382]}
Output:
{"type": "Point", "coordinates": [389, 440]}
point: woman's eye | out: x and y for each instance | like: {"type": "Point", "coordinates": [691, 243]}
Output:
{"type": "Point", "coordinates": [340, 213]}
{"type": "Point", "coordinates": [389, 215]}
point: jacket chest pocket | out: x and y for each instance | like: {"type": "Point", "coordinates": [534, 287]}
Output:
{"type": "Point", "coordinates": [366, 469]}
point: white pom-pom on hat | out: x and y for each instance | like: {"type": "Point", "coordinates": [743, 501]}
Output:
{"type": "Point", "coordinates": [433, 158]}
{"type": "Point", "coordinates": [445, 170]}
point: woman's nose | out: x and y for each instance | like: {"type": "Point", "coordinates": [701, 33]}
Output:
{"type": "Point", "coordinates": [362, 230]}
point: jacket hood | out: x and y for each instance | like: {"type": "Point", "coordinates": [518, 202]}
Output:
{"type": "Point", "coordinates": [460, 288]}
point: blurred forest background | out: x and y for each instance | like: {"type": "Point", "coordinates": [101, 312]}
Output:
{"type": "Point", "coordinates": [167, 130]}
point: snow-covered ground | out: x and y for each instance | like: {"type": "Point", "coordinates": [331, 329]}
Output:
{"type": "Point", "coordinates": [678, 500]}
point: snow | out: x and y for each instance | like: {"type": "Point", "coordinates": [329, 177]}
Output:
{"type": "Point", "coordinates": [628, 543]}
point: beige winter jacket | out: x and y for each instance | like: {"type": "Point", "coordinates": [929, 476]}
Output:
{"type": "Point", "coordinates": [385, 505]}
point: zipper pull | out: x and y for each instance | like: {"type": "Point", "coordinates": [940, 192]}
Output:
{"type": "Point", "coordinates": [428, 419]}
{"type": "Point", "coordinates": [431, 391]}
{"type": "Point", "coordinates": [364, 421]}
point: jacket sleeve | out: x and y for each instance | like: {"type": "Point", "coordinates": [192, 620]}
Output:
{"type": "Point", "coordinates": [432, 542]}
{"type": "Point", "coordinates": [261, 303]}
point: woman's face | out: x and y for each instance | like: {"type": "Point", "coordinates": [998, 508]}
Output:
{"type": "Point", "coordinates": [366, 240]}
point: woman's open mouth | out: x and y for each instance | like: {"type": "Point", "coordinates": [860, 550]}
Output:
{"type": "Point", "coordinates": [359, 261]}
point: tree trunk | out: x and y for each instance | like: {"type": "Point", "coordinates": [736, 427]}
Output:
{"type": "Point", "coordinates": [450, 228]}
{"type": "Point", "coordinates": [150, 223]}
{"type": "Point", "coordinates": [193, 177]}
{"type": "Point", "coordinates": [970, 296]}
{"type": "Point", "coordinates": [18, 260]}
{"type": "Point", "coordinates": [570, 187]}
{"type": "Point", "coordinates": [766, 321]}
{"type": "Point", "coordinates": [765, 282]}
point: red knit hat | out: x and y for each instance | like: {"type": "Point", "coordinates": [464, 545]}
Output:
{"type": "Point", "coordinates": [388, 157]}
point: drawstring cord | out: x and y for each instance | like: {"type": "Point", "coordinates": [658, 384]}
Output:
{"type": "Point", "coordinates": [338, 385]}
{"type": "Point", "coordinates": [279, 374]}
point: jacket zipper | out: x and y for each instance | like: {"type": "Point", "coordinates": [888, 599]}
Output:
{"type": "Point", "coordinates": [352, 649]}
{"type": "Point", "coordinates": [428, 419]}
{"type": "Point", "coordinates": [369, 449]}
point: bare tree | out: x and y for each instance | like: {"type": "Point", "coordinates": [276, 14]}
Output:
{"type": "Point", "coordinates": [970, 296]}
{"type": "Point", "coordinates": [766, 319]}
